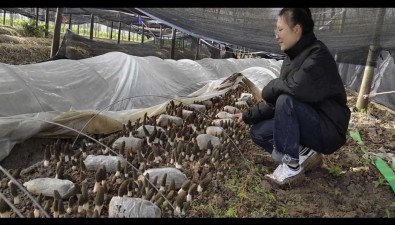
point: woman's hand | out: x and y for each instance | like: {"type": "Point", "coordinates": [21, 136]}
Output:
{"type": "Point", "coordinates": [239, 119]}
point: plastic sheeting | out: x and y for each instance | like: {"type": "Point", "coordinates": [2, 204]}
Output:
{"type": "Point", "coordinates": [71, 92]}
{"type": "Point", "coordinates": [383, 79]}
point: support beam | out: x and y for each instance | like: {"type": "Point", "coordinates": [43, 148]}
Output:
{"type": "Point", "coordinates": [56, 35]}
{"type": "Point", "coordinates": [70, 24]}
{"type": "Point", "coordinates": [371, 61]}
{"type": "Point", "coordinates": [142, 34]}
{"type": "Point", "coordinates": [119, 32]}
{"type": "Point", "coordinates": [92, 27]}
{"type": "Point", "coordinates": [112, 26]}
{"type": "Point", "coordinates": [173, 42]}
{"type": "Point", "coordinates": [37, 17]}
{"type": "Point", "coordinates": [197, 49]}
{"type": "Point", "coordinates": [46, 22]}
{"type": "Point", "coordinates": [130, 27]}
{"type": "Point", "coordinates": [160, 37]}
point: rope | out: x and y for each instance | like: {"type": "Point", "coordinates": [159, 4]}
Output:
{"type": "Point", "coordinates": [378, 93]}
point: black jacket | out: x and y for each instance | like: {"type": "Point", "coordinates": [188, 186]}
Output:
{"type": "Point", "coordinates": [309, 74]}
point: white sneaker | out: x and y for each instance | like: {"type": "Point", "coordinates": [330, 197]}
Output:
{"type": "Point", "coordinates": [310, 161]}
{"type": "Point", "coordinates": [283, 174]}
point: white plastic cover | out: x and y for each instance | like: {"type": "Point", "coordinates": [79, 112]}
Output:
{"type": "Point", "coordinates": [383, 79]}
{"type": "Point", "coordinates": [71, 92]}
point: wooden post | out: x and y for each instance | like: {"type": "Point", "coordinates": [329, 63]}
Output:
{"type": "Point", "coordinates": [70, 24]}
{"type": "Point", "coordinates": [142, 34]}
{"type": "Point", "coordinates": [374, 50]}
{"type": "Point", "coordinates": [119, 32]}
{"type": "Point", "coordinates": [112, 25]}
{"type": "Point", "coordinates": [130, 27]}
{"type": "Point", "coordinates": [92, 27]}
{"type": "Point", "coordinates": [197, 49]}
{"type": "Point", "coordinates": [37, 17]}
{"type": "Point", "coordinates": [56, 35]}
{"type": "Point", "coordinates": [173, 42]}
{"type": "Point", "coordinates": [160, 37]}
{"type": "Point", "coordinates": [46, 22]}
{"type": "Point", "coordinates": [78, 28]}
{"type": "Point", "coordinates": [4, 16]}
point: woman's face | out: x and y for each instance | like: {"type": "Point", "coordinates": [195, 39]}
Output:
{"type": "Point", "coordinates": [286, 36]}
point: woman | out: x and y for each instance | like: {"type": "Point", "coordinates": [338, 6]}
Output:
{"type": "Point", "coordinates": [305, 108]}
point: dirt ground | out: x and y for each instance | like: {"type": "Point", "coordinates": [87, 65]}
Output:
{"type": "Point", "coordinates": [347, 185]}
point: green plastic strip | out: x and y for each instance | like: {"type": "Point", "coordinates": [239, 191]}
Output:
{"type": "Point", "coordinates": [387, 172]}
{"type": "Point", "coordinates": [356, 136]}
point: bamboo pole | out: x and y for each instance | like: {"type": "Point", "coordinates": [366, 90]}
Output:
{"type": "Point", "coordinates": [130, 27]}
{"type": "Point", "coordinates": [46, 22]}
{"type": "Point", "coordinates": [37, 17]}
{"type": "Point", "coordinates": [112, 26]}
{"type": "Point", "coordinates": [160, 37]}
{"type": "Point", "coordinates": [92, 27]}
{"type": "Point", "coordinates": [119, 32]}
{"type": "Point", "coordinates": [197, 49]}
{"type": "Point", "coordinates": [70, 24]}
{"type": "Point", "coordinates": [374, 50]}
{"type": "Point", "coordinates": [56, 36]}
{"type": "Point", "coordinates": [142, 34]}
{"type": "Point", "coordinates": [173, 42]}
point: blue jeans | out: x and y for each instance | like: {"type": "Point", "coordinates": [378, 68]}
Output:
{"type": "Point", "coordinates": [295, 123]}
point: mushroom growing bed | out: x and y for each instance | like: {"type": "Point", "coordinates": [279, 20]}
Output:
{"type": "Point", "coordinates": [156, 166]}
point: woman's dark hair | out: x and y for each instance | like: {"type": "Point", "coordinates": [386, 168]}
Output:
{"type": "Point", "coordinates": [301, 16]}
